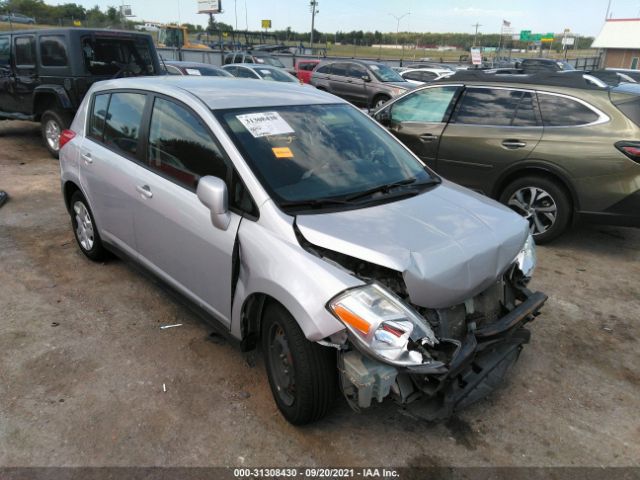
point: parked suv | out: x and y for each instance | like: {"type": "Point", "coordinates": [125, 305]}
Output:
{"type": "Point", "coordinates": [363, 83]}
{"type": "Point", "coordinates": [44, 74]}
{"type": "Point", "coordinates": [327, 242]}
{"type": "Point", "coordinates": [252, 57]}
{"type": "Point", "coordinates": [554, 147]}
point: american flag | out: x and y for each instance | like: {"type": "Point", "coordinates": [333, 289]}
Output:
{"type": "Point", "coordinates": [505, 23]}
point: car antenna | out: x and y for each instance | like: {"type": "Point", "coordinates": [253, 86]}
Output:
{"type": "Point", "coordinates": [163, 64]}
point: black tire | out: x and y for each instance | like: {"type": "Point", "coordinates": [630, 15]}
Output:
{"type": "Point", "coordinates": [314, 369]}
{"type": "Point", "coordinates": [61, 120]}
{"type": "Point", "coordinates": [379, 100]}
{"type": "Point", "coordinates": [95, 250]}
{"type": "Point", "coordinates": [551, 193]}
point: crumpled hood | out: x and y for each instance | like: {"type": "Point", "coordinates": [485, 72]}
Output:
{"type": "Point", "coordinates": [449, 243]}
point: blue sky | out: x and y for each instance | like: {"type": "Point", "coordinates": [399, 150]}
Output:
{"type": "Point", "coordinates": [583, 17]}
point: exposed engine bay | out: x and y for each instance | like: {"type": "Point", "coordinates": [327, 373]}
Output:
{"type": "Point", "coordinates": [448, 358]}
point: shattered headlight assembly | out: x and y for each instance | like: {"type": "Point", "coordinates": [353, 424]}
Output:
{"type": "Point", "coordinates": [526, 259]}
{"type": "Point", "coordinates": [383, 325]}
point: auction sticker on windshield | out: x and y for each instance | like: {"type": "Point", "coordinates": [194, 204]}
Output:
{"type": "Point", "coordinates": [265, 123]}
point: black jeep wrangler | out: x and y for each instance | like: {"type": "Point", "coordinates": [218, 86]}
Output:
{"type": "Point", "coordinates": [45, 73]}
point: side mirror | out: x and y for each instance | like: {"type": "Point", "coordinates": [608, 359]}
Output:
{"type": "Point", "coordinates": [366, 78]}
{"type": "Point", "coordinates": [212, 192]}
{"type": "Point", "coordinates": [384, 116]}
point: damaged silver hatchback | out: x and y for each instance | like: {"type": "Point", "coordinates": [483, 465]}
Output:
{"type": "Point", "coordinates": [296, 223]}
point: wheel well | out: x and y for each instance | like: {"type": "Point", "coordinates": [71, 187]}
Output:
{"type": "Point", "coordinates": [69, 189]}
{"type": "Point", "coordinates": [251, 319]}
{"type": "Point", "coordinates": [43, 102]}
{"type": "Point", "coordinates": [540, 172]}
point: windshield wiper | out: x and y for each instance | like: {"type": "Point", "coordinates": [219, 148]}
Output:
{"type": "Point", "coordinates": [387, 187]}
{"type": "Point", "coordinates": [313, 203]}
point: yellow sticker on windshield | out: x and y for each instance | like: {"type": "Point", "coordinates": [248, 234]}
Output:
{"type": "Point", "coordinates": [282, 152]}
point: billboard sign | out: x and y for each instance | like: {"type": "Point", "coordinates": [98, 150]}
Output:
{"type": "Point", "coordinates": [209, 6]}
{"type": "Point", "coordinates": [476, 56]}
{"type": "Point", "coordinates": [266, 24]}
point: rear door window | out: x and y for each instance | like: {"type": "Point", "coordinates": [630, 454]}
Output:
{"type": "Point", "coordinates": [559, 111]}
{"type": "Point", "coordinates": [526, 114]}
{"type": "Point", "coordinates": [122, 125]}
{"type": "Point", "coordinates": [180, 147]}
{"type": "Point", "coordinates": [431, 105]}
{"type": "Point", "coordinates": [488, 106]}
{"type": "Point", "coordinates": [5, 50]}
{"type": "Point", "coordinates": [53, 51]}
{"type": "Point", "coordinates": [340, 69]}
{"type": "Point", "coordinates": [324, 69]}
{"type": "Point", "coordinates": [25, 50]}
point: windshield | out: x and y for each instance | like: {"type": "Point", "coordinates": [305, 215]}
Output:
{"type": "Point", "coordinates": [564, 65]}
{"type": "Point", "coordinates": [110, 56]}
{"type": "Point", "coordinates": [340, 153]}
{"type": "Point", "coordinates": [271, 61]}
{"type": "Point", "coordinates": [274, 74]}
{"type": "Point", "coordinates": [384, 73]}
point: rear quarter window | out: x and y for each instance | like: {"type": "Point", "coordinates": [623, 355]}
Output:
{"type": "Point", "coordinates": [560, 111]}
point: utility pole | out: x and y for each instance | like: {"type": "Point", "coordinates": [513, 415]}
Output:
{"type": "Point", "coordinates": [398, 23]}
{"type": "Point", "coordinates": [313, 4]}
{"type": "Point", "coordinates": [606, 17]}
{"type": "Point", "coordinates": [475, 35]}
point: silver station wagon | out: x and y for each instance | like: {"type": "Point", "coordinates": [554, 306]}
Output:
{"type": "Point", "coordinates": [295, 223]}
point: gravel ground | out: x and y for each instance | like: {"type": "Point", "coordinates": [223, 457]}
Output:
{"type": "Point", "coordinates": [83, 363]}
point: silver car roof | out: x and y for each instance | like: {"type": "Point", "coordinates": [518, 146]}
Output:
{"type": "Point", "coordinates": [220, 93]}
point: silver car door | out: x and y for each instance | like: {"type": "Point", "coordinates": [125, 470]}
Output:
{"type": "Point", "coordinates": [109, 155]}
{"type": "Point", "coordinates": [174, 233]}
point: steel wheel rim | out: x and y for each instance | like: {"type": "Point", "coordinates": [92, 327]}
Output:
{"type": "Point", "coordinates": [380, 102]}
{"type": "Point", "coordinates": [281, 363]}
{"type": "Point", "coordinates": [52, 134]}
{"type": "Point", "coordinates": [537, 206]}
{"type": "Point", "coordinates": [84, 226]}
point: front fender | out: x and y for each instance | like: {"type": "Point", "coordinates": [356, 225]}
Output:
{"type": "Point", "coordinates": [282, 269]}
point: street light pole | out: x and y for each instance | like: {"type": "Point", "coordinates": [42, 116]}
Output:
{"type": "Point", "coordinates": [398, 23]}
{"type": "Point", "coordinates": [313, 4]}
{"type": "Point", "coordinates": [477, 25]}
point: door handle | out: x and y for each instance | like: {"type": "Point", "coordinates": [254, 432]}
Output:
{"type": "Point", "coordinates": [144, 190]}
{"type": "Point", "coordinates": [513, 144]}
{"type": "Point", "coordinates": [87, 158]}
{"type": "Point", "coordinates": [428, 137]}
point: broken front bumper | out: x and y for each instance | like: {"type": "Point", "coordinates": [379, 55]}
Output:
{"type": "Point", "coordinates": [476, 367]}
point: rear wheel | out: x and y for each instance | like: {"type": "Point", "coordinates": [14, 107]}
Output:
{"type": "Point", "coordinates": [85, 230]}
{"type": "Point", "coordinates": [302, 374]}
{"type": "Point", "coordinates": [379, 100]}
{"type": "Point", "coordinates": [543, 202]}
{"type": "Point", "coordinates": [52, 123]}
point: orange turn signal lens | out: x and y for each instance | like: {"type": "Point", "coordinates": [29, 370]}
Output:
{"type": "Point", "coordinates": [350, 318]}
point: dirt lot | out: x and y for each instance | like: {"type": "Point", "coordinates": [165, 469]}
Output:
{"type": "Point", "coordinates": [83, 362]}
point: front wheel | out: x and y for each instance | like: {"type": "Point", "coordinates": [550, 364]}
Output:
{"type": "Point", "coordinates": [52, 123]}
{"type": "Point", "coordinates": [302, 374]}
{"type": "Point", "coordinates": [541, 201]}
